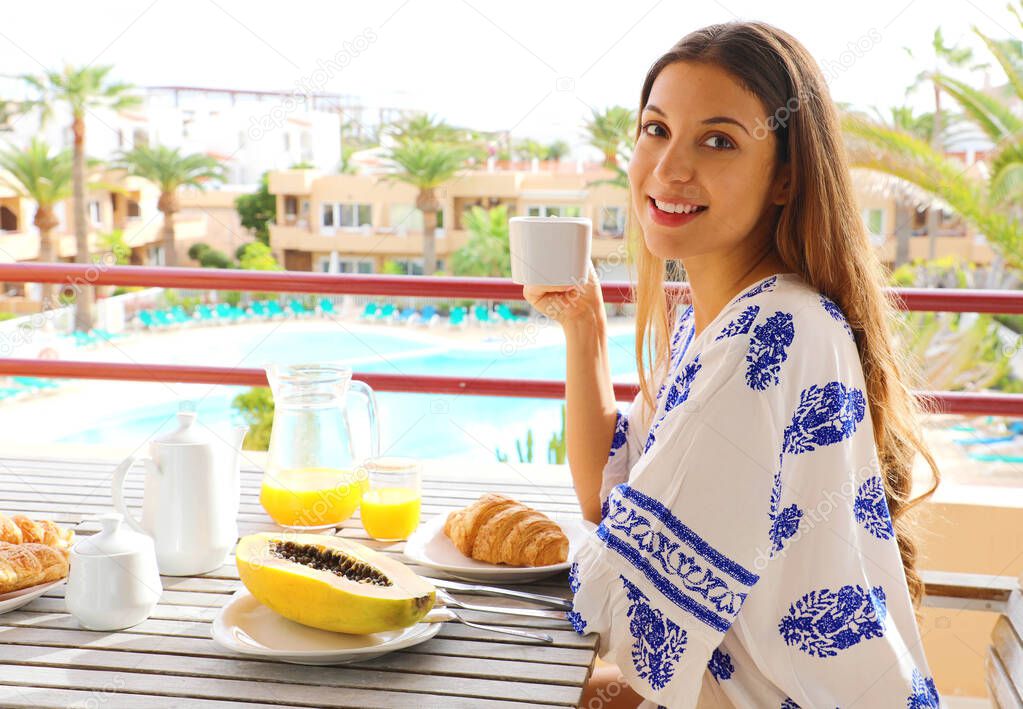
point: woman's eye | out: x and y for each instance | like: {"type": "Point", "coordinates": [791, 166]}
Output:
{"type": "Point", "coordinates": [647, 126]}
{"type": "Point", "coordinates": [724, 142]}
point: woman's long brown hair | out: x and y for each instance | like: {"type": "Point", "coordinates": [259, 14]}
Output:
{"type": "Point", "coordinates": [819, 234]}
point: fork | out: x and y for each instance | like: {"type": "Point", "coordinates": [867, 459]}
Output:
{"type": "Point", "coordinates": [443, 614]}
{"type": "Point", "coordinates": [453, 602]}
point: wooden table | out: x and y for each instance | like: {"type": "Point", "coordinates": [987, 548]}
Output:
{"type": "Point", "coordinates": [170, 660]}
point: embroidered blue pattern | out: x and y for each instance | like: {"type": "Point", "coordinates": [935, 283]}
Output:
{"type": "Point", "coordinates": [767, 350]}
{"type": "Point", "coordinates": [825, 415]}
{"type": "Point", "coordinates": [683, 318]}
{"type": "Point", "coordinates": [720, 664]}
{"type": "Point", "coordinates": [835, 312]}
{"type": "Point", "coordinates": [621, 433]}
{"type": "Point", "coordinates": [823, 622]}
{"type": "Point", "coordinates": [660, 642]}
{"type": "Point", "coordinates": [871, 508]}
{"type": "Point", "coordinates": [679, 353]}
{"type": "Point", "coordinates": [578, 624]}
{"type": "Point", "coordinates": [784, 522]}
{"type": "Point", "coordinates": [650, 438]}
{"type": "Point", "coordinates": [573, 577]}
{"type": "Point", "coordinates": [762, 287]}
{"type": "Point", "coordinates": [677, 394]}
{"type": "Point", "coordinates": [741, 325]}
{"type": "Point", "coordinates": [789, 704]}
{"type": "Point", "coordinates": [678, 562]}
{"type": "Point", "coordinates": [924, 694]}
{"type": "Point", "coordinates": [679, 391]}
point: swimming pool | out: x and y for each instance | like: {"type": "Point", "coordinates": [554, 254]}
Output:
{"type": "Point", "coordinates": [425, 425]}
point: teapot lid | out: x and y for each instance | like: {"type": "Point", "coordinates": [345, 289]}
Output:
{"type": "Point", "coordinates": [114, 538]}
{"type": "Point", "coordinates": [186, 433]}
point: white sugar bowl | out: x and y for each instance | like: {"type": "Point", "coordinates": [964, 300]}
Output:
{"type": "Point", "coordinates": [114, 581]}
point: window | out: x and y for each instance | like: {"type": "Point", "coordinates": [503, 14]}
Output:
{"type": "Point", "coordinates": [134, 210]}
{"type": "Point", "coordinates": [287, 141]}
{"type": "Point", "coordinates": [553, 211]}
{"type": "Point", "coordinates": [140, 137]}
{"type": "Point", "coordinates": [612, 221]}
{"type": "Point", "coordinates": [874, 219]}
{"type": "Point", "coordinates": [155, 256]}
{"type": "Point", "coordinates": [94, 214]}
{"type": "Point", "coordinates": [345, 216]}
{"type": "Point", "coordinates": [290, 205]}
{"type": "Point", "coordinates": [346, 265]}
{"type": "Point", "coordinates": [305, 141]}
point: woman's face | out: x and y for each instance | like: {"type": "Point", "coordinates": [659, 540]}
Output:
{"type": "Point", "coordinates": [704, 143]}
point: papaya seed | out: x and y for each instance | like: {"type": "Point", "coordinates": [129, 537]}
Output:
{"type": "Point", "coordinates": [328, 560]}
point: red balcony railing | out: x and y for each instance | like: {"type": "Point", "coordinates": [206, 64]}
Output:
{"type": "Point", "coordinates": [915, 299]}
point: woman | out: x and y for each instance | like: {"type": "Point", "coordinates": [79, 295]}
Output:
{"type": "Point", "coordinates": [751, 548]}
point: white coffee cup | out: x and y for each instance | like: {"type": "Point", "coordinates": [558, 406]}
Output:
{"type": "Point", "coordinates": [549, 251]}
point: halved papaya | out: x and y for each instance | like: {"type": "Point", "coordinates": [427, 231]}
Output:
{"type": "Point", "coordinates": [332, 583]}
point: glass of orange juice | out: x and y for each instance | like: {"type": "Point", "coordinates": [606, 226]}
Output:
{"type": "Point", "coordinates": [391, 499]}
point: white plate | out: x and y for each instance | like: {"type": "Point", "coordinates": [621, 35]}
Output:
{"type": "Point", "coordinates": [247, 626]}
{"type": "Point", "coordinates": [430, 547]}
{"type": "Point", "coordinates": [16, 599]}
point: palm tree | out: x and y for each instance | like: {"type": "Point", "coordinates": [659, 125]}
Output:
{"type": "Point", "coordinates": [609, 131]}
{"type": "Point", "coordinates": [83, 89]}
{"type": "Point", "coordinates": [892, 151]}
{"type": "Point", "coordinates": [487, 251]}
{"type": "Point", "coordinates": [168, 169]}
{"type": "Point", "coordinates": [426, 165]}
{"type": "Point", "coordinates": [992, 204]}
{"type": "Point", "coordinates": [44, 178]}
{"type": "Point", "coordinates": [423, 127]}
{"type": "Point", "coordinates": [557, 150]}
{"type": "Point", "coordinates": [954, 58]}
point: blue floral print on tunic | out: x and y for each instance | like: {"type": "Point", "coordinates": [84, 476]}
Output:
{"type": "Point", "coordinates": [767, 350]}
{"type": "Point", "coordinates": [720, 664]}
{"type": "Point", "coordinates": [835, 312]}
{"type": "Point", "coordinates": [741, 324]}
{"type": "Point", "coordinates": [924, 694]}
{"type": "Point", "coordinates": [659, 641]}
{"type": "Point", "coordinates": [825, 415]}
{"type": "Point", "coordinates": [823, 622]}
{"type": "Point", "coordinates": [871, 508]}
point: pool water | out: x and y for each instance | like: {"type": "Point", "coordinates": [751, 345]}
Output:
{"type": "Point", "coordinates": [425, 425]}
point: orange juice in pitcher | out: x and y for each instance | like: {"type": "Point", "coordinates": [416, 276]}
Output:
{"type": "Point", "coordinates": [311, 497]}
{"type": "Point", "coordinates": [312, 478]}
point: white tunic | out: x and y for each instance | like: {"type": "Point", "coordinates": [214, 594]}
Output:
{"type": "Point", "coordinates": [745, 540]}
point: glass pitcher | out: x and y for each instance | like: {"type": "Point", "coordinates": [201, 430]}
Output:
{"type": "Point", "coordinates": [313, 478]}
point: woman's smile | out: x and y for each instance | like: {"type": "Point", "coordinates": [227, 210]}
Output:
{"type": "Point", "coordinates": [673, 214]}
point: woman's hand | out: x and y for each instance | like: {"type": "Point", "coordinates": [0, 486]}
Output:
{"type": "Point", "coordinates": [580, 302]}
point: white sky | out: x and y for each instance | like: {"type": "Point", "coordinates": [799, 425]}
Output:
{"type": "Point", "coordinates": [489, 64]}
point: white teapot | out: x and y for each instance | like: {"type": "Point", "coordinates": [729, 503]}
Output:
{"type": "Point", "coordinates": [191, 498]}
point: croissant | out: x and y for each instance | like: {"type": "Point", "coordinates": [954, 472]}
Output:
{"type": "Point", "coordinates": [500, 530]}
{"type": "Point", "coordinates": [18, 529]}
{"type": "Point", "coordinates": [29, 564]}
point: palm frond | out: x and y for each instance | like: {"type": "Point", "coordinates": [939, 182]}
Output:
{"type": "Point", "coordinates": [991, 115]}
{"type": "Point", "coordinates": [1007, 52]}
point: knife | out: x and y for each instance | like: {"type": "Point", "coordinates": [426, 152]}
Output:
{"type": "Point", "coordinates": [552, 601]}
{"type": "Point", "coordinates": [448, 600]}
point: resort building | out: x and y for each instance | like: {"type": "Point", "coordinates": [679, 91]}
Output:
{"type": "Point", "coordinates": [360, 222]}
{"type": "Point", "coordinates": [124, 203]}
